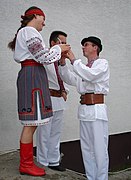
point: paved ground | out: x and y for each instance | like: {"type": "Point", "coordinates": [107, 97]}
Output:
{"type": "Point", "coordinates": [9, 171]}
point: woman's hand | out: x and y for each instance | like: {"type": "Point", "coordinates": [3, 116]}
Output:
{"type": "Point", "coordinates": [64, 47]}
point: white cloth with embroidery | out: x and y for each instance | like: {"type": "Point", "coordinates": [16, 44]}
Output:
{"type": "Point", "coordinates": [87, 80]}
{"type": "Point", "coordinates": [93, 118]}
{"type": "Point", "coordinates": [30, 45]}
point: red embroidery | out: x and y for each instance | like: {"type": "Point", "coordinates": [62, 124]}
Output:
{"type": "Point", "coordinates": [34, 45]}
{"type": "Point", "coordinates": [90, 63]}
{"type": "Point", "coordinates": [33, 104]}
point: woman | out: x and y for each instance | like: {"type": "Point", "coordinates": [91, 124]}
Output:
{"type": "Point", "coordinates": [34, 104]}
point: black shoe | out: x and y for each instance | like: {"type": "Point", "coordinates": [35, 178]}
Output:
{"type": "Point", "coordinates": [57, 168]}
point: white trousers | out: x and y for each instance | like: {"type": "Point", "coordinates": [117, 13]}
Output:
{"type": "Point", "coordinates": [94, 146]}
{"type": "Point", "coordinates": [48, 140]}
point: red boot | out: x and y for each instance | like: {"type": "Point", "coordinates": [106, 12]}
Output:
{"type": "Point", "coordinates": [27, 165]}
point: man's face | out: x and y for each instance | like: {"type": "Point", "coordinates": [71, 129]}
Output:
{"type": "Point", "coordinates": [61, 40]}
{"type": "Point", "coordinates": [88, 48]}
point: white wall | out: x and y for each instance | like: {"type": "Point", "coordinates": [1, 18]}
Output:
{"type": "Point", "coordinates": [109, 20]}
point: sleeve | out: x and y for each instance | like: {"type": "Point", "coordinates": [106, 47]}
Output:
{"type": "Point", "coordinates": [67, 76]}
{"type": "Point", "coordinates": [94, 74]}
{"type": "Point", "coordinates": [41, 54]}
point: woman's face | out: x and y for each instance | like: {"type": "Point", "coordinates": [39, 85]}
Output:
{"type": "Point", "coordinates": [40, 22]}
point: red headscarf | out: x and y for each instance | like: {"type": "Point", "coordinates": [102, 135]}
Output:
{"type": "Point", "coordinates": [33, 11]}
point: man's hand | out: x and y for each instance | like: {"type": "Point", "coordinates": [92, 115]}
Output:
{"type": "Point", "coordinates": [64, 95]}
{"type": "Point", "coordinates": [71, 56]}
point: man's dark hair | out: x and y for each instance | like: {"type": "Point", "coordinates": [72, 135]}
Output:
{"type": "Point", "coordinates": [54, 36]}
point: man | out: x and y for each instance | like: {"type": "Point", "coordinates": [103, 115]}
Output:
{"type": "Point", "coordinates": [92, 83]}
{"type": "Point", "coordinates": [48, 136]}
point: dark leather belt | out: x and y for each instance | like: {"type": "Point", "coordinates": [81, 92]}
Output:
{"type": "Point", "coordinates": [55, 93]}
{"type": "Point", "coordinates": [30, 62]}
{"type": "Point", "coordinates": [91, 99]}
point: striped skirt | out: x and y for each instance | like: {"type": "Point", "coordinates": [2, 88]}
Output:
{"type": "Point", "coordinates": [34, 103]}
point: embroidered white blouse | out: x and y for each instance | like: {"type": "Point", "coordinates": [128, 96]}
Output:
{"type": "Point", "coordinates": [30, 45]}
{"type": "Point", "coordinates": [88, 80]}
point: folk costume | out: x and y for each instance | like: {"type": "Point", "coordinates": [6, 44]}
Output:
{"type": "Point", "coordinates": [48, 136]}
{"type": "Point", "coordinates": [92, 84]}
{"type": "Point", "coordinates": [34, 104]}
